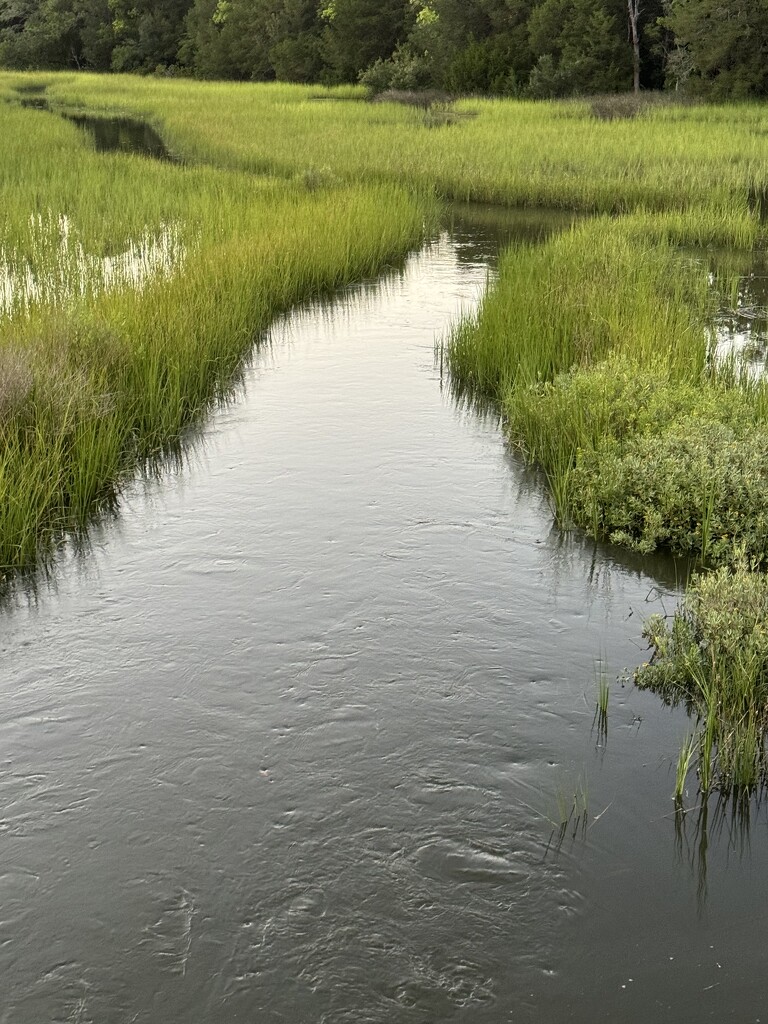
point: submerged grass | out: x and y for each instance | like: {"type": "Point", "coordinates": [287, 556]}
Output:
{"type": "Point", "coordinates": [601, 704]}
{"type": "Point", "coordinates": [572, 812]}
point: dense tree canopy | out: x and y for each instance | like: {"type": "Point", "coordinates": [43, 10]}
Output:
{"type": "Point", "coordinates": [507, 47]}
{"type": "Point", "coordinates": [722, 45]}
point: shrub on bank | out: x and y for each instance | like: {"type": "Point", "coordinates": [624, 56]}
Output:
{"type": "Point", "coordinates": [648, 461]}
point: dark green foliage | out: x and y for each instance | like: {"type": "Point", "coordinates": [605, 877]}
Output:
{"type": "Point", "coordinates": [404, 70]}
{"type": "Point", "coordinates": [580, 47]}
{"type": "Point", "coordinates": [501, 47]}
{"type": "Point", "coordinates": [359, 32]}
{"type": "Point", "coordinates": [695, 484]}
{"type": "Point", "coordinates": [257, 40]}
{"type": "Point", "coordinates": [484, 67]}
{"type": "Point", "coordinates": [476, 46]}
{"type": "Point", "coordinates": [147, 33]}
{"type": "Point", "coordinates": [721, 46]}
{"type": "Point", "coordinates": [56, 34]}
{"type": "Point", "coordinates": [657, 463]}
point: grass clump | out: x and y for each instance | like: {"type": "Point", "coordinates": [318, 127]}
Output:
{"type": "Point", "coordinates": [598, 348]}
{"type": "Point", "coordinates": [597, 289]}
{"type": "Point", "coordinates": [713, 658]}
{"type": "Point", "coordinates": [572, 812]}
{"type": "Point", "coordinates": [600, 720]}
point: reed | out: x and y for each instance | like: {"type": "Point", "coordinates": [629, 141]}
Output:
{"type": "Point", "coordinates": [572, 811]}
{"type": "Point", "coordinates": [685, 757]}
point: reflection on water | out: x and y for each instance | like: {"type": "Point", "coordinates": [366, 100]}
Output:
{"type": "Point", "coordinates": [741, 322]}
{"type": "Point", "coordinates": [109, 134]}
{"type": "Point", "coordinates": [121, 134]}
{"type": "Point", "coordinates": [482, 230]}
{"type": "Point", "coordinates": [725, 821]}
{"type": "Point", "coordinates": [59, 268]}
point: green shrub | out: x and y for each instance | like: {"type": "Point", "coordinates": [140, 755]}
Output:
{"type": "Point", "coordinates": [649, 461]}
{"type": "Point", "coordinates": [696, 486]}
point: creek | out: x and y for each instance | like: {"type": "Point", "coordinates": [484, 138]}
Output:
{"type": "Point", "coordinates": [291, 740]}
{"type": "Point", "coordinates": [289, 743]}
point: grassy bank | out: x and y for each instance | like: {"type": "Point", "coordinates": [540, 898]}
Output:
{"type": "Point", "coordinates": [606, 378]}
{"type": "Point", "coordinates": [102, 367]}
{"type": "Point", "coordinates": [597, 347]}
{"type": "Point", "coordinates": [713, 658]}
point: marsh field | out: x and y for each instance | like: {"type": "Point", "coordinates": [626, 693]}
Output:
{"type": "Point", "coordinates": [385, 517]}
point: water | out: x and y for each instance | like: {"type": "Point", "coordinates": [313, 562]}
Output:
{"type": "Point", "coordinates": [121, 134]}
{"type": "Point", "coordinates": [741, 324]}
{"type": "Point", "coordinates": [61, 268]}
{"type": "Point", "coordinates": [108, 134]}
{"type": "Point", "coordinates": [288, 744]}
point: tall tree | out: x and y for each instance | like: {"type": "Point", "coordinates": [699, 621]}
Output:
{"type": "Point", "coordinates": [724, 44]}
{"type": "Point", "coordinates": [55, 33]}
{"type": "Point", "coordinates": [634, 10]}
{"type": "Point", "coordinates": [254, 39]}
{"type": "Point", "coordinates": [147, 32]}
{"type": "Point", "coordinates": [581, 47]}
{"type": "Point", "coordinates": [474, 45]}
{"type": "Point", "coordinates": [359, 32]}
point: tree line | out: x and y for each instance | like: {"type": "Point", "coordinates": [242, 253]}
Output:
{"type": "Point", "coordinates": [538, 48]}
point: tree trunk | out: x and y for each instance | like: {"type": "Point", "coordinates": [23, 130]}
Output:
{"type": "Point", "coordinates": [634, 8]}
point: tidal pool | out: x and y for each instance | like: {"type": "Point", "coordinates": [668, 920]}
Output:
{"type": "Point", "coordinates": [121, 134]}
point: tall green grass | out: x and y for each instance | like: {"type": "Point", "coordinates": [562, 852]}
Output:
{"type": "Point", "coordinates": [708, 160]}
{"type": "Point", "coordinates": [598, 349]}
{"type": "Point", "coordinates": [97, 375]}
{"type": "Point", "coordinates": [713, 657]}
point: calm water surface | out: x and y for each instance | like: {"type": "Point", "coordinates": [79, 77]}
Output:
{"type": "Point", "coordinates": [288, 744]}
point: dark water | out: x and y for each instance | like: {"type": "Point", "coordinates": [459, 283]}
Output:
{"type": "Point", "coordinates": [121, 134]}
{"type": "Point", "coordinates": [289, 744]}
{"type": "Point", "coordinates": [109, 134]}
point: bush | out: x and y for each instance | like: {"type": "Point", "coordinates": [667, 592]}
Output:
{"type": "Point", "coordinates": [651, 462]}
{"type": "Point", "coordinates": [696, 486]}
{"type": "Point", "coordinates": [403, 71]}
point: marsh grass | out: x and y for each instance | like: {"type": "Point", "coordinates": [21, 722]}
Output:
{"type": "Point", "coordinates": [603, 693]}
{"type": "Point", "coordinates": [699, 160]}
{"type": "Point", "coordinates": [722, 820]}
{"type": "Point", "coordinates": [684, 760]}
{"type": "Point", "coordinates": [606, 380]}
{"type": "Point", "coordinates": [712, 657]}
{"type": "Point", "coordinates": [572, 812]}
{"type": "Point", "coordinates": [113, 343]}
